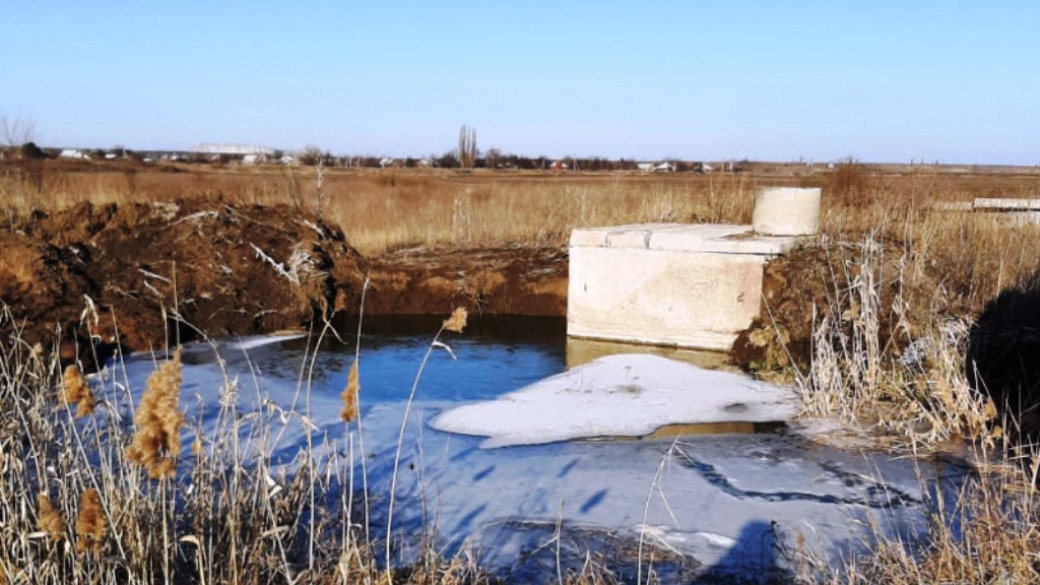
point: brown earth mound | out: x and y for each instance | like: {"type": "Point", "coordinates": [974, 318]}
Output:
{"type": "Point", "coordinates": [816, 282]}
{"type": "Point", "coordinates": [121, 274]}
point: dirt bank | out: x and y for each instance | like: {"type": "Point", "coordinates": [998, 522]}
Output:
{"type": "Point", "coordinates": [112, 273]}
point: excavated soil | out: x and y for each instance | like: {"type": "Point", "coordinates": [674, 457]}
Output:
{"type": "Point", "coordinates": [137, 276]}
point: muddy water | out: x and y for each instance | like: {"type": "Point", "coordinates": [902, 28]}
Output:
{"type": "Point", "coordinates": [724, 500]}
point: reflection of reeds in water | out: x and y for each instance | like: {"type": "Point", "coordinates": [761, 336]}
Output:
{"type": "Point", "coordinates": [75, 391]}
{"type": "Point", "coordinates": [49, 520]}
{"type": "Point", "coordinates": [90, 525]}
{"type": "Point", "coordinates": [156, 443]}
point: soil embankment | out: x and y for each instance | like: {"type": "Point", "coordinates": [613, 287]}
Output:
{"type": "Point", "coordinates": [121, 274]}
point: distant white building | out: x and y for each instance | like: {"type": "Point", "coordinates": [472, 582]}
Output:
{"type": "Point", "coordinates": [665, 167]}
{"type": "Point", "coordinates": [646, 167]}
{"type": "Point", "coordinates": [254, 159]}
{"type": "Point", "coordinates": [425, 162]}
{"type": "Point", "coordinates": [232, 149]}
{"type": "Point", "coordinates": [290, 160]}
{"type": "Point", "coordinates": [387, 162]}
{"type": "Point", "coordinates": [74, 154]}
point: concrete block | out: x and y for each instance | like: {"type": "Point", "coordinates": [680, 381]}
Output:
{"type": "Point", "coordinates": [787, 211]}
{"type": "Point", "coordinates": [677, 285]}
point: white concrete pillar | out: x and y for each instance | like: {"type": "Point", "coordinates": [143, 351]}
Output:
{"type": "Point", "coordinates": [787, 211]}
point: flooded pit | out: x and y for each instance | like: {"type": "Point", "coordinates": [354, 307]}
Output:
{"type": "Point", "coordinates": [713, 495]}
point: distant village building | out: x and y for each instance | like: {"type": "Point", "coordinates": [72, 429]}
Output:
{"type": "Point", "coordinates": [702, 168]}
{"type": "Point", "coordinates": [231, 149]}
{"type": "Point", "coordinates": [425, 163]}
{"type": "Point", "coordinates": [290, 160]}
{"type": "Point", "coordinates": [558, 166]}
{"type": "Point", "coordinates": [387, 162]}
{"type": "Point", "coordinates": [665, 167]}
{"type": "Point", "coordinates": [646, 167]}
{"type": "Point", "coordinates": [254, 159]}
{"type": "Point", "coordinates": [74, 154]}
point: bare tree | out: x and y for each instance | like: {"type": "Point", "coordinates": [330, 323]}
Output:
{"type": "Point", "coordinates": [467, 147]}
{"type": "Point", "coordinates": [17, 132]}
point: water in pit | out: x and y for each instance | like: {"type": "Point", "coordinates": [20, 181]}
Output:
{"type": "Point", "coordinates": [726, 500]}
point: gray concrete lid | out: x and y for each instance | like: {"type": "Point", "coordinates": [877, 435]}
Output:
{"type": "Point", "coordinates": [706, 238]}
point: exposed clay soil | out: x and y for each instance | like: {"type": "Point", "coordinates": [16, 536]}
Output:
{"type": "Point", "coordinates": [112, 273]}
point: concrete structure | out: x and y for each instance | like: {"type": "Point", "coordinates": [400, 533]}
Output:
{"type": "Point", "coordinates": [667, 284]}
{"type": "Point", "coordinates": [787, 211]}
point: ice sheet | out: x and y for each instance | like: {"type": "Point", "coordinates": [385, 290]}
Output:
{"type": "Point", "coordinates": [625, 395]}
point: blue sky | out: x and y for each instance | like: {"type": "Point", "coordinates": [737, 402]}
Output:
{"type": "Point", "coordinates": [882, 81]}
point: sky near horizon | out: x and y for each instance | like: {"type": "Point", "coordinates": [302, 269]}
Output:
{"type": "Point", "coordinates": [883, 81]}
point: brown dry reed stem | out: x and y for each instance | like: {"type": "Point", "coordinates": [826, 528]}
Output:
{"type": "Point", "coordinates": [457, 321]}
{"type": "Point", "coordinates": [75, 391]}
{"type": "Point", "coordinates": [350, 395]}
{"type": "Point", "coordinates": [90, 525]}
{"type": "Point", "coordinates": [49, 519]}
{"type": "Point", "coordinates": [156, 442]}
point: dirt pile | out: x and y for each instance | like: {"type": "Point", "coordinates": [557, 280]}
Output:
{"type": "Point", "coordinates": [114, 273]}
{"type": "Point", "coordinates": [826, 281]}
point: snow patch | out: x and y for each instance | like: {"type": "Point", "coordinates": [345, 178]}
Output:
{"type": "Point", "coordinates": [624, 395]}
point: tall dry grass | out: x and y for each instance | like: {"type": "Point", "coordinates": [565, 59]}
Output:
{"type": "Point", "coordinates": [80, 504]}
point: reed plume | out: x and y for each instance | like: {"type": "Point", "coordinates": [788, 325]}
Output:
{"type": "Point", "coordinates": [49, 520]}
{"type": "Point", "coordinates": [156, 443]}
{"type": "Point", "coordinates": [90, 526]}
{"type": "Point", "coordinates": [350, 395]}
{"type": "Point", "coordinates": [457, 321]}
{"type": "Point", "coordinates": [76, 391]}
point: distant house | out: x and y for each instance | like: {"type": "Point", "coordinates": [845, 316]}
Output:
{"type": "Point", "coordinates": [702, 168]}
{"type": "Point", "coordinates": [425, 162]}
{"type": "Point", "coordinates": [558, 166]}
{"type": "Point", "coordinates": [646, 167]}
{"type": "Point", "coordinates": [665, 167]}
{"type": "Point", "coordinates": [74, 154]}
{"type": "Point", "coordinates": [387, 162]}
{"type": "Point", "coordinates": [254, 159]}
{"type": "Point", "coordinates": [111, 156]}
{"type": "Point", "coordinates": [231, 149]}
{"type": "Point", "coordinates": [290, 160]}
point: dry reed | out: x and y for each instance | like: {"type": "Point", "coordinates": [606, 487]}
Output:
{"type": "Point", "coordinates": [156, 443]}
{"type": "Point", "coordinates": [350, 395]}
{"type": "Point", "coordinates": [75, 391]}
{"type": "Point", "coordinates": [457, 321]}
{"type": "Point", "coordinates": [49, 519]}
{"type": "Point", "coordinates": [90, 525]}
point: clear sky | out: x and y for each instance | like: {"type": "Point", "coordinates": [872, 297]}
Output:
{"type": "Point", "coordinates": [883, 81]}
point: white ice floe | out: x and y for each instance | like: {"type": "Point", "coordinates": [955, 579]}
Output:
{"type": "Point", "coordinates": [621, 396]}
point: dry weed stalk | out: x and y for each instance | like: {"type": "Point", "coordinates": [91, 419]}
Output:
{"type": "Point", "coordinates": [90, 525]}
{"type": "Point", "coordinates": [156, 443]}
{"type": "Point", "coordinates": [76, 391]}
{"type": "Point", "coordinates": [49, 520]}
{"type": "Point", "coordinates": [457, 322]}
{"type": "Point", "coordinates": [350, 395]}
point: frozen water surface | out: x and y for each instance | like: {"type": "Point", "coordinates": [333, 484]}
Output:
{"type": "Point", "coordinates": [706, 504]}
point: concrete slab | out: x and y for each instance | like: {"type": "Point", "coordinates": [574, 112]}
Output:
{"type": "Point", "coordinates": [680, 285]}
